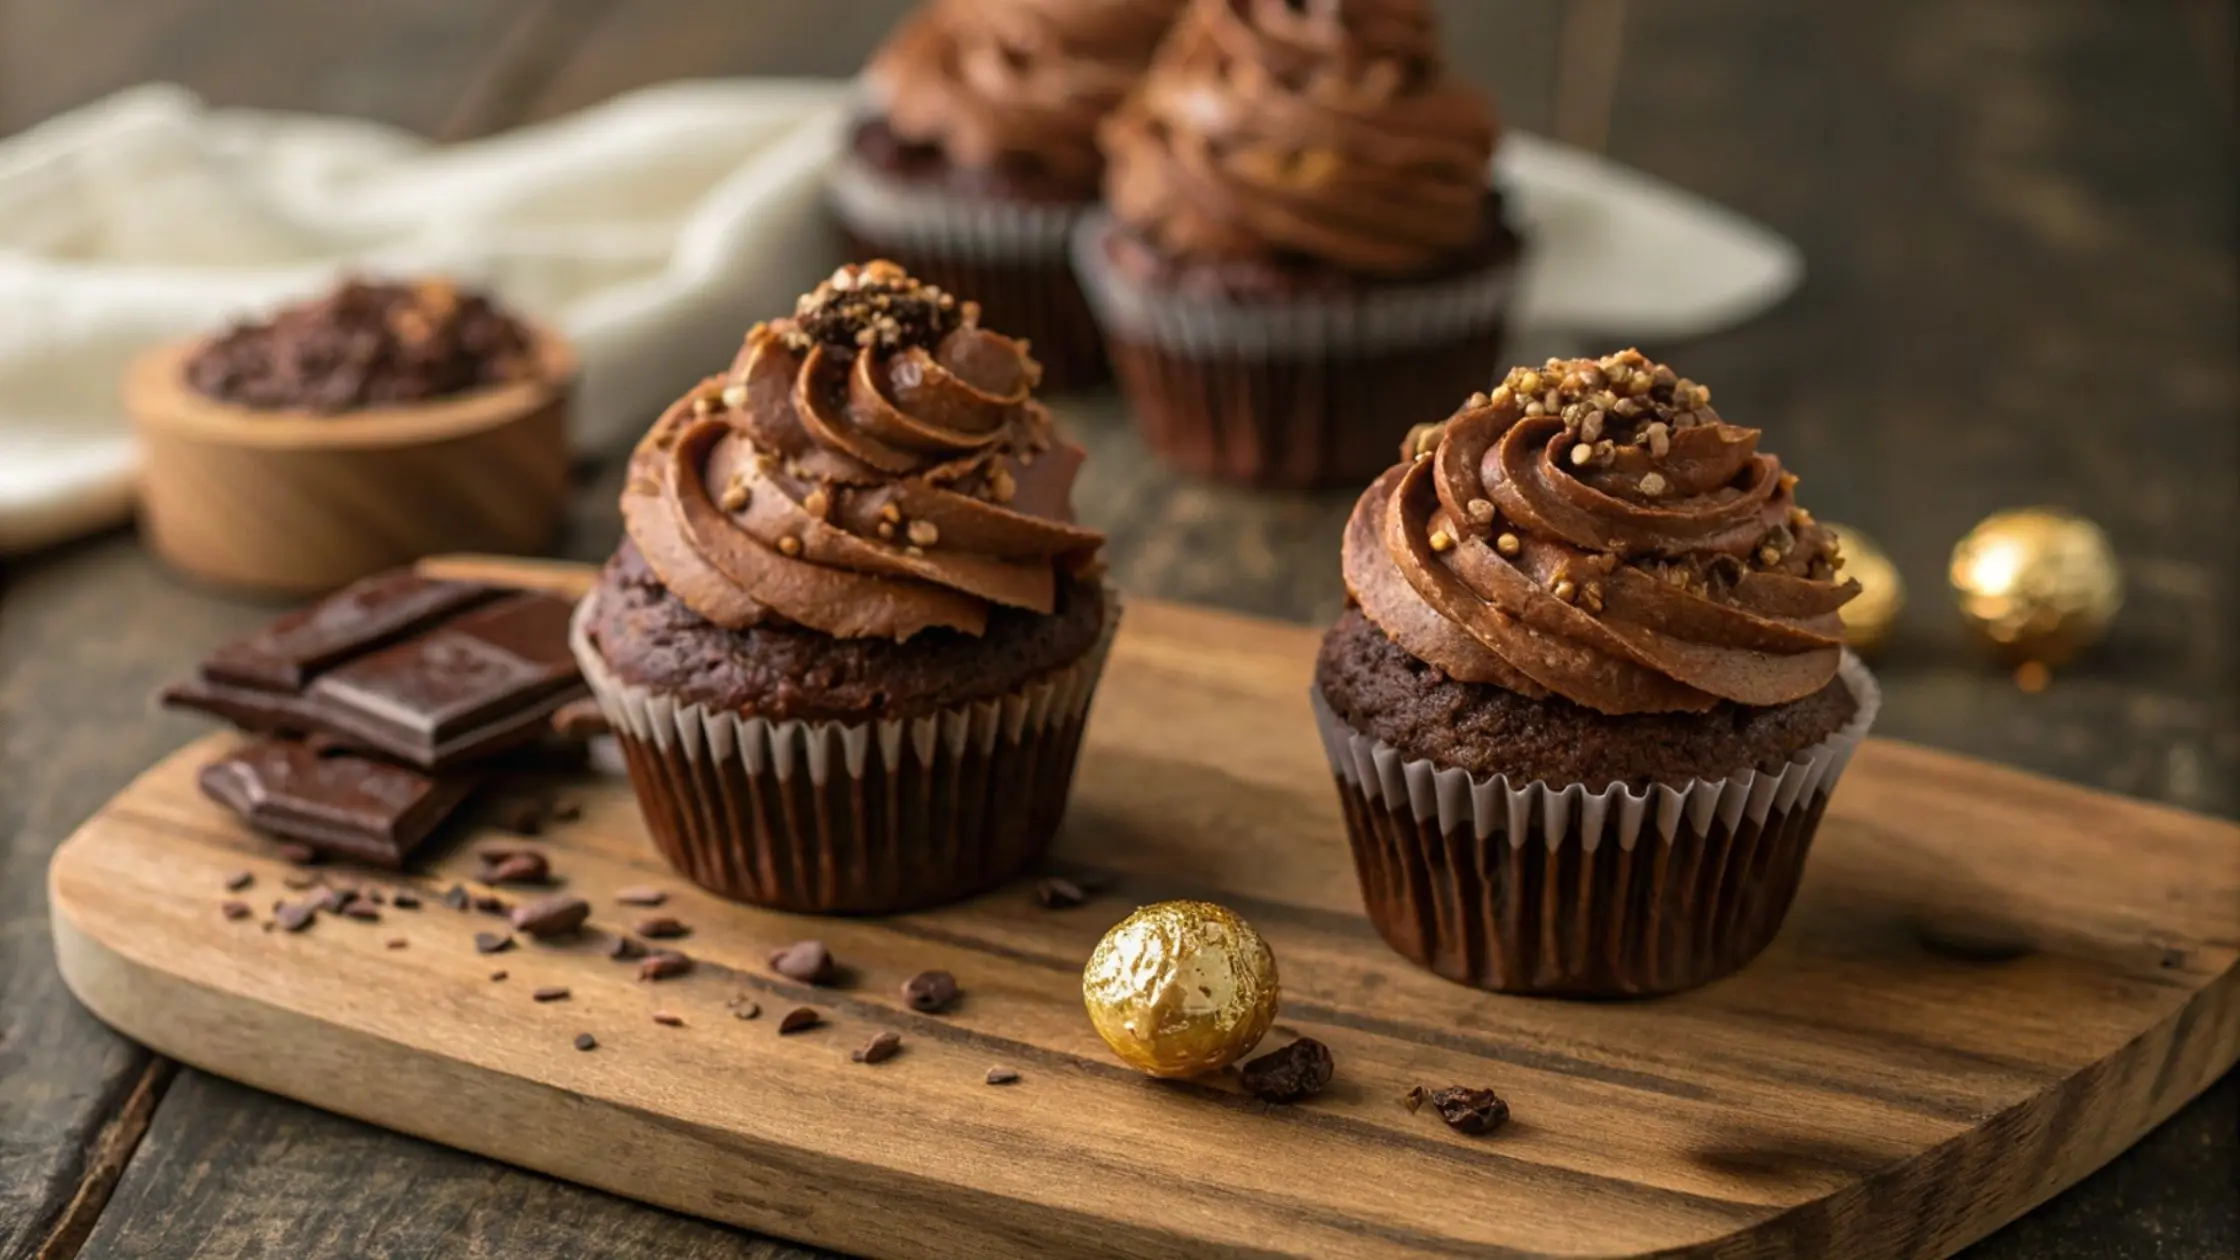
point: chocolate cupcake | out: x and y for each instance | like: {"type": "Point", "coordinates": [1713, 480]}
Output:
{"type": "Point", "coordinates": [1590, 697]}
{"type": "Point", "coordinates": [978, 155]}
{"type": "Point", "coordinates": [850, 642]}
{"type": "Point", "coordinates": [1302, 248]}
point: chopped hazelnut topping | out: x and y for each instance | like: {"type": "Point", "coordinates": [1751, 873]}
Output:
{"type": "Point", "coordinates": [1481, 511]}
{"type": "Point", "coordinates": [734, 396]}
{"type": "Point", "coordinates": [1582, 455]}
{"type": "Point", "coordinates": [1564, 590]}
{"type": "Point", "coordinates": [924, 533]}
{"type": "Point", "coordinates": [891, 514]}
{"type": "Point", "coordinates": [1507, 544]}
{"type": "Point", "coordinates": [816, 503]}
{"type": "Point", "coordinates": [701, 406]}
{"type": "Point", "coordinates": [736, 495]}
{"type": "Point", "coordinates": [1478, 399]}
{"type": "Point", "coordinates": [1002, 485]}
{"type": "Point", "coordinates": [885, 529]}
{"type": "Point", "coordinates": [1659, 439]}
{"type": "Point", "coordinates": [1441, 540]}
{"type": "Point", "coordinates": [1652, 484]}
{"type": "Point", "coordinates": [1768, 556]}
{"type": "Point", "coordinates": [789, 545]}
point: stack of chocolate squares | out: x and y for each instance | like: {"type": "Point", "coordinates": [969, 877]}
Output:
{"type": "Point", "coordinates": [382, 708]}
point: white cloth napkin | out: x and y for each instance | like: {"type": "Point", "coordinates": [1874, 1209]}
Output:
{"type": "Point", "coordinates": [653, 229]}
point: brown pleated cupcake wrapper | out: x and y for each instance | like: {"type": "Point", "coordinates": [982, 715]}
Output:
{"type": "Point", "coordinates": [1313, 391]}
{"type": "Point", "coordinates": [851, 818]}
{"type": "Point", "coordinates": [1543, 888]}
{"type": "Point", "coordinates": [1010, 257]}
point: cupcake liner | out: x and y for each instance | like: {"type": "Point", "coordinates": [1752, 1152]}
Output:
{"type": "Point", "coordinates": [1539, 888]}
{"type": "Point", "coordinates": [1009, 256]}
{"type": "Point", "coordinates": [1300, 393]}
{"type": "Point", "coordinates": [851, 818]}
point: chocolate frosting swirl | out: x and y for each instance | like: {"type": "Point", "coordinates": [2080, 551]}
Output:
{"type": "Point", "coordinates": [1327, 130]}
{"type": "Point", "coordinates": [871, 467]}
{"type": "Point", "coordinates": [1593, 530]}
{"type": "Point", "coordinates": [995, 80]}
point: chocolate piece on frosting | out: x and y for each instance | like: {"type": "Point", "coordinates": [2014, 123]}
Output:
{"type": "Point", "coordinates": [870, 468]}
{"type": "Point", "coordinates": [1593, 529]}
{"type": "Point", "coordinates": [1272, 129]}
{"type": "Point", "coordinates": [366, 345]}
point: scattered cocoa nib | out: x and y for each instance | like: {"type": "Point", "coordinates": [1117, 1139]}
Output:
{"type": "Point", "coordinates": [492, 942]}
{"type": "Point", "coordinates": [237, 910]}
{"type": "Point", "coordinates": [373, 896]}
{"type": "Point", "coordinates": [1471, 1111]}
{"type": "Point", "coordinates": [930, 991]}
{"type": "Point", "coordinates": [335, 900]}
{"type": "Point", "coordinates": [298, 882]}
{"type": "Point", "coordinates": [1002, 1075]}
{"type": "Point", "coordinates": [294, 916]}
{"type": "Point", "coordinates": [363, 911]}
{"type": "Point", "coordinates": [395, 942]}
{"type": "Point", "coordinates": [799, 1018]}
{"type": "Point", "coordinates": [522, 818]}
{"type": "Point", "coordinates": [552, 916]}
{"type": "Point", "coordinates": [1413, 1099]}
{"type": "Point", "coordinates": [662, 965]}
{"type": "Point", "coordinates": [806, 961]}
{"type": "Point", "coordinates": [744, 1007]}
{"type": "Point", "coordinates": [585, 1041]}
{"type": "Point", "coordinates": [456, 897]}
{"type": "Point", "coordinates": [549, 993]}
{"type": "Point", "coordinates": [625, 949]}
{"type": "Point", "coordinates": [405, 899]}
{"type": "Point", "coordinates": [884, 1045]}
{"type": "Point", "coordinates": [239, 880]}
{"type": "Point", "coordinates": [1292, 1074]}
{"type": "Point", "coordinates": [299, 853]}
{"type": "Point", "coordinates": [640, 895]}
{"type": "Point", "coordinates": [514, 866]}
{"type": "Point", "coordinates": [667, 1020]}
{"type": "Point", "coordinates": [580, 719]}
{"type": "Point", "coordinates": [1056, 892]}
{"type": "Point", "coordinates": [498, 975]}
{"type": "Point", "coordinates": [660, 927]}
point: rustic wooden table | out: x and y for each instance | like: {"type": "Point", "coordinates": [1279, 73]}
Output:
{"type": "Point", "coordinates": [2019, 219]}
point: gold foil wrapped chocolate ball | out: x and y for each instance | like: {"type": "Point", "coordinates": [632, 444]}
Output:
{"type": "Point", "coordinates": [1181, 988]}
{"type": "Point", "coordinates": [2037, 584]}
{"type": "Point", "coordinates": [1867, 618]}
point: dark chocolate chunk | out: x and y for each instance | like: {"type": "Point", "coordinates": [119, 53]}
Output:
{"type": "Point", "coordinates": [515, 866]}
{"type": "Point", "coordinates": [640, 896]}
{"type": "Point", "coordinates": [239, 880]}
{"type": "Point", "coordinates": [662, 965]}
{"type": "Point", "coordinates": [492, 942]}
{"type": "Point", "coordinates": [660, 927]}
{"type": "Point", "coordinates": [585, 1041]}
{"type": "Point", "coordinates": [1471, 1111]}
{"type": "Point", "coordinates": [237, 910]}
{"type": "Point", "coordinates": [625, 948]}
{"type": "Point", "coordinates": [1003, 1076]}
{"type": "Point", "coordinates": [807, 961]}
{"type": "Point", "coordinates": [1296, 1072]}
{"type": "Point", "coordinates": [556, 915]}
{"type": "Point", "coordinates": [357, 619]}
{"type": "Point", "coordinates": [396, 942]}
{"type": "Point", "coordinates": [668, 1020]}
{"type": "Point", "coordinates": [491, 903]}
{"type": "Point", "coordinates": [363, 911]}
{"type": "Point", "coordinates": [883, 1046]}
{"type": "Point", "coordinates": [294, 916]}
{"type": "Point", "coordinates": [405, 899]}
{"type": "Point", "coordinates": [549, 993]}
{"type": "Point", "coordinates": [354, 807]}
{"type": "Point", "coordinates": [1056, 892]}
{"type": "Point", "coordinates": [798, 1019]}
{"type": "Point", "coordinates": [930, 991]}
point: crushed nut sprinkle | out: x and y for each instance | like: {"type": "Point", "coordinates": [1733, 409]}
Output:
{"type": "Point", "coordinates": [924, 533]}
{"type": "Point", "coordinates": [876, 306]}
{"type": "Point", "coordinates": [1508, 544]}
{"type": "Point", "coordinates": [736, 496]}
{"type": "Point", "coordinates": [1622, 399]}
{"type": "Point", "coordinates": [789, 545]}
{"type": "Point", "coordinates": [1441, 540]}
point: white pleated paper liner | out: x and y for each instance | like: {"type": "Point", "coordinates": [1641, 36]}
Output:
{"type": "Point", "coordinates": [1545, 888]}
{"type": "Point", "coordinates": [905, 214]}
{"type": "Point", "coordinates": [851, 818]}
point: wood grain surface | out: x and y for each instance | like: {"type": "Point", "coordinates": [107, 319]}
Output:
{"type": "Point", "coordinates": [2018, 223]}
{"type": "Point", "coordinates": [1991, 983]}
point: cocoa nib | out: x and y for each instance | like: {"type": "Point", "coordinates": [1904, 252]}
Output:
{"type": "Point", "coordinates": [930, 991]}
{"type": "Point", "coordinates": [1471, 1111]}
{"type": "Point", "coordinates": [1292, 1074]}
{"type": "Point", "coordinates": [551, 916]}
{"type": "Point", "coordinates": [806, 961]}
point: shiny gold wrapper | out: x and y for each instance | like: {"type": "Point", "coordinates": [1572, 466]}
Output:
{"type": "Point", "coordinates": [1181, 988]}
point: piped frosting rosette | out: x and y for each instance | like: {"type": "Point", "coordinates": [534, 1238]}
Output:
{"type": "Point", "coordinates": [1593, 532]}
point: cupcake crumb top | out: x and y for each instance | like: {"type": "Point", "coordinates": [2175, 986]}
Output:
{"type": "Point", "coordinates": [879, 306]}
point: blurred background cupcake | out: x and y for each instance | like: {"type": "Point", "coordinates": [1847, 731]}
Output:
{"type": "Point", "coordinates": [1302, 251]}
{"type": "Point", "coordinates": [977, 155]}
{"type": "Point", "coordinates": [1591, 695]}
{"type": "Point", "coordinates": [849, 642]}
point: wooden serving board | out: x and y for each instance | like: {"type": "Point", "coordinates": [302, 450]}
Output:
{"type": "Point", "coordinates": [1991, 984]}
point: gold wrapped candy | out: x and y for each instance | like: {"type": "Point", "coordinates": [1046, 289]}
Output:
{"type": "Point", "coordinates": [2037, 584]}
{"type": "Point", "coordinates": [1181, 988]}
{"type": "Point", "coordinates": [1868, 617]}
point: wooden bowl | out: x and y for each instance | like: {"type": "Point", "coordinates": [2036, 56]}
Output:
{"type": "Point", "coordinates": [292, 502]}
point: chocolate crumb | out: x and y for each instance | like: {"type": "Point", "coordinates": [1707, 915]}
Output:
{"type": "Point", "coordinates": [667, 1020]}
{"type": "Point", "coordinates": [625, 949]}
{"type": "Point", "coordinates": [1003, 1076]}
{"type": "Point", "coordinates": [552, 916]}
{"type": "Point", "coordinates": [640, 895]}
{"type": "Point", "coordinates": [662, 965]}
{"type": "Point", "coordinates": [492, 942]}
{"type": "Point", "coordinates": [884, 1045]}
{"type": "Point", "coordinates": [405, 899]}
{"type": "Point", "coordinates": [1056, 892]}
{"type": "Point", "coordinates": [930, 991]}
{"type": "Point", "coordinates": [1413, 1099]}
{"type": "Point", "coordinates": [500, 974]}
{"type": "Point", "coordinates": [799, 1018]}
{"type": "Point", "coordinates": [585, 1041]}
{"type": "Point", "coordinates": [395, 942]}
{"type": "Point", "coordinates": [361, 910]}
{"type": "Point", "coordinates": [299, 853]}
{"type": "Point", "coordinates": [1471, 1111]}
{"type": "Point", "coordinates": [515, 866]}
{"type": "Point", "coordinates": [456, 897]}
{"type": "Point", "coordinates": [373, 896]}
{"type": "Point", "coordinates": [294, 916]}
{"type": "Point", "coordinates": [806, 961]}
{"type": "Point", "coordinates": [660, 927]}
{"type": "Point", "coordinates": [236, 910]}
{"type": "Point", "coordinates": [876, 306]}
{"type": "Point", "coordinates": [549, 993]}
{"type": "Point", "coordinates": [239, 880]}
{"type": "Point", "coordinates": [2173, 957]}
{"type": "Point", "coordinates": [492, 903]}
{"type": "Point", "coordinates": [744, 1007]}
{"type": "Point", "coordinates": [1295, 1073]}
{"type": "Point", "coordinates": [298, 882]}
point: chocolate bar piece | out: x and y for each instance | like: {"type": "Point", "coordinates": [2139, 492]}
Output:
{"type": "Point", "coordinates": [432, 673]}
{"type": "Point", "coordinates": [340, 804]}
